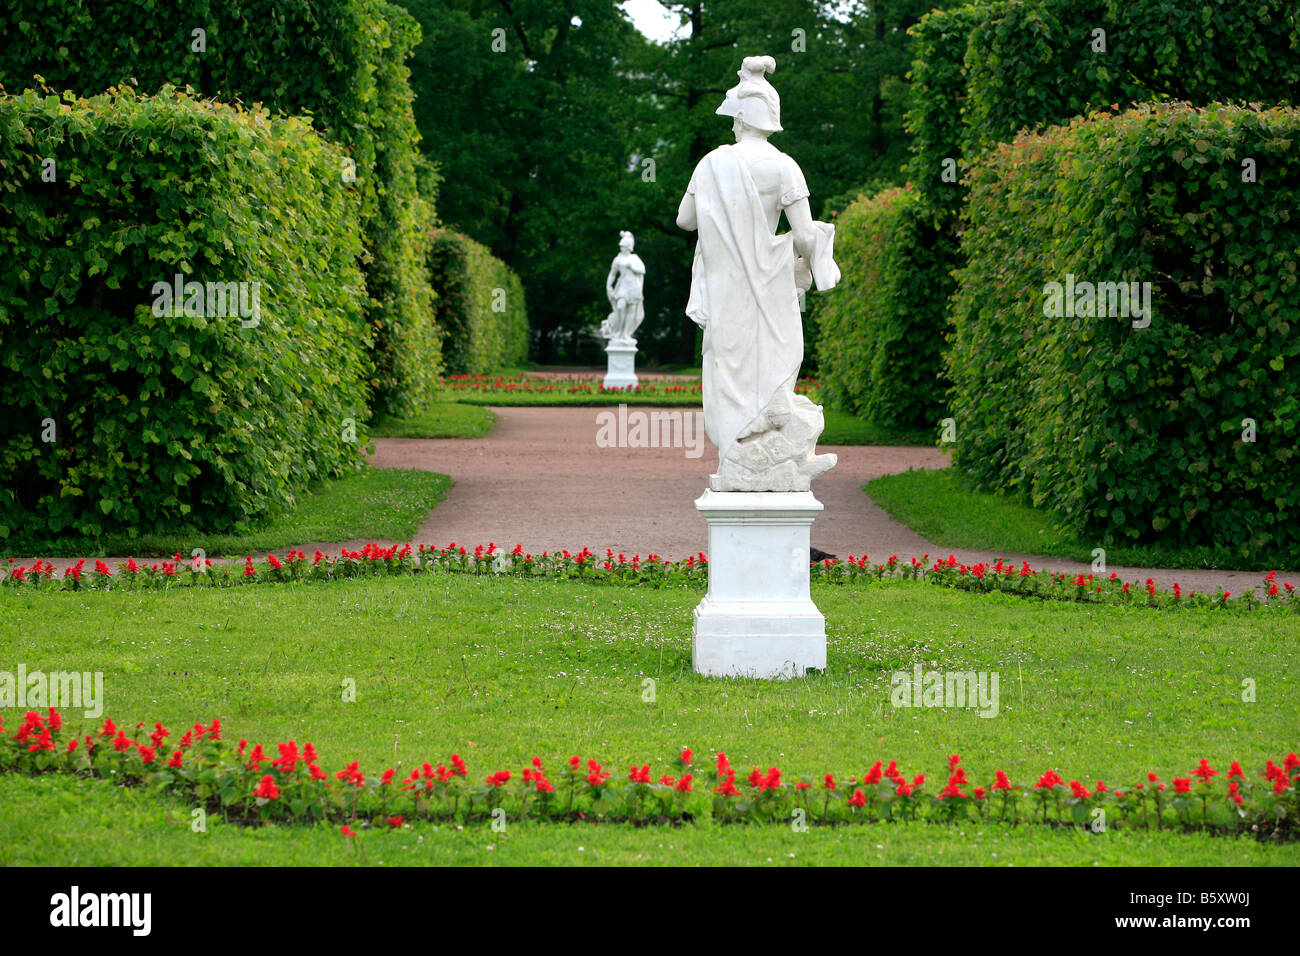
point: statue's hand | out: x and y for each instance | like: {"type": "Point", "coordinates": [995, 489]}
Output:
{"type": "Point", "coordinates": [803, 276]}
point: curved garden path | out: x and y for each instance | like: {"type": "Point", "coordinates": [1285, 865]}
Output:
{"type": "Point", "coordinates": [539, 479]}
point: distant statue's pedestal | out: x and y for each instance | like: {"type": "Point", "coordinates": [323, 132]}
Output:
{"type": "Point", "coordinates": [621, 371]}
{"type": "Point", "coordinates": [758, 619]}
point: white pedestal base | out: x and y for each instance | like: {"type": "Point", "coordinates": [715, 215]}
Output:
{"type": "Point", "coordinates": [621, 371]}
{"type": "Point", "coordinates": [758, 619]}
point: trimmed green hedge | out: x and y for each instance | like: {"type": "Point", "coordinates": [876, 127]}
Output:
{"type": "Point", "coordinates": [938, 97]}
{"type": "Point", "coordinates": [1138, 434]}
{"type": "Point", "coordinates": [880, 332]}
{"type": "Point", "coordinates": [985, 71]}
{"type": "Point", "coordinates": [481, 305]}
{"type": "Point", "coordinates": [122, 414]}
{"type": "Point", "coordinates": [1239, 50]}
{"type": "Point", "coordinates": [342, 61]}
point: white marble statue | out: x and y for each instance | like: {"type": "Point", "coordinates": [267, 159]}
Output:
{"type": "Point", "coordinates": [746, 282]}
{"type": "Point", "coordinates": [625, 289]}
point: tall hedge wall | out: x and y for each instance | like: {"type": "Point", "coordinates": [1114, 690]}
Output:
{"type": "Point", "coordinates": [342, 61]}
{"type": "Point", "coordinates": [984, 71]}
{"type": "Point", "coordinates": [1029, 65]}
{"type": "Point", "coordinates": [880, 332]}
{"type": "Point", "coordinates": [123, 412]}
{"type": "Point", "coordinates": [1136, 433]}
{"type": "Point", "coordinates": [481, 305]}
{"type": "Point", "coordinates": [938, 99]}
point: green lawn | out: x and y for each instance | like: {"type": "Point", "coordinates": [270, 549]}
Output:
{"type": "Point", "coordinates": [941, 508]}
{"type": "Point", "coordinates": [442, 419]}
{"type": "Point", "coordinates": [56, 821]}
{"type": "Point", "coordinates": [500, 670]}
{"type": "Point", "coordinates": [377, 504]}
{"type": "Point", "coordinates": [845, 429]}
{"type": "Point", "coordinates": [646, 395]}
{"type": "Point", "coordinates": [465, 418]}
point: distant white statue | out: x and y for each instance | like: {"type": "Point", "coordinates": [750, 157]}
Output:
{"type": "Point", "coordinates": [746, 283]}
{"type": "Point", "coordinates": [625, 288]}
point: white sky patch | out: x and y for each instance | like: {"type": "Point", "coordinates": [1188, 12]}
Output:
{"type": "Point", "coordinates": [654, 21]}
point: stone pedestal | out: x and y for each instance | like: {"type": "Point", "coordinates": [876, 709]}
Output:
{"type": "Point", "coordinates": [758, 619]}
{"type": "Point", "coordinates": [621, 372]}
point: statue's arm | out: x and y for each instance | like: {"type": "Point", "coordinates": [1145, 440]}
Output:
{"type": "Point", "coordinates": [799, 215]}
{"type": "Point", "coordinates": [686, 213]}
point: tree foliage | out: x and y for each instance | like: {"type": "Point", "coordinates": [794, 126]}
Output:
{"type": "Point", "coordinates": [568, 125]}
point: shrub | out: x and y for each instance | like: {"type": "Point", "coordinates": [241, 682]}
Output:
{"type": "Point", "coordinates": [342, 61]}
{"type": "Point", "coordinates": [1030, 65]}
{"type": "Point", "coordinates": [169, 419]}
{"type": "Point", "coordinates": [938, 98]}
{"type": "Point", "coordinates": [881, 330]}
{"type": "Point", "coordinates": [985, 71]}
{"type": "Point", "coordinates": [1139, 433]}
{"type": "Point", "coordinates": [480, 305]}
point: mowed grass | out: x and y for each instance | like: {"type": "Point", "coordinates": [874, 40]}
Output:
{"type": "Point", "coordinates": [941, 507]}
{"type": "Point", "coordinates": [442, 419]}
{"type": "Point", "coordinates": [56, 821]}
{"type": "Point", "coordinates": [461, 419]}
{"type": "Point", "coordinates": [501, 670]}
{"type": "Point", "coordinates": [845, 429]}
{"type": "Point", "coordinates": [644, 396]}
{"type": "Point", "coordinates": [378, 504]}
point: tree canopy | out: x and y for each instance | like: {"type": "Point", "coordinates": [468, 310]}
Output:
{"type": "Point", "coordinates": [556, 125]}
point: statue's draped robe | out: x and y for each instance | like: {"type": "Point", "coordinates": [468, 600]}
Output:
{"type": "Point", "coordinates": [743, 294]}
{"type": "Point", "coordinates": [629, 287]}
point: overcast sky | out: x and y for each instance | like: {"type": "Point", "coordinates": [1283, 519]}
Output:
{"type": "Point", "coordinates": [653, 20]}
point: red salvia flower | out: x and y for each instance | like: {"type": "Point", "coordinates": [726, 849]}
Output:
{"type": "Point", "coordinates": [352, 774]}
{"type": "Point", "coordinates": [728, 786]}
{"type": "Point", "coordinates": [257, 758]}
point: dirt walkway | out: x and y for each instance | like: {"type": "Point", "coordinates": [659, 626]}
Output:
{"type": "Point", "coordinates": [539, 479]}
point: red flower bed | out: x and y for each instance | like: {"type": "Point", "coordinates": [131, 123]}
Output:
{"type": "Point", "coordinates": [653, 570]}
{"type": "Point", "coordinates": [249, 785]}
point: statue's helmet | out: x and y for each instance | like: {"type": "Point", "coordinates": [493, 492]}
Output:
{"type": "Point", "coordinates": [754, 99]}
{"type": "Point", "coordinates": [625, 240]}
